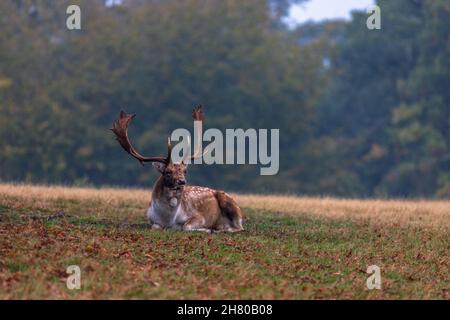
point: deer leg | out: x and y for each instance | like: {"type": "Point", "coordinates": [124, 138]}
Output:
{"type": "Point", "coordinates": [227, 229]}
{"type": "Point", "coordinates": [199, 229]}
{"type": "Point", "coordinates": [195, 224]}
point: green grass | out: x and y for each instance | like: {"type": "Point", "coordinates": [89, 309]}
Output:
{"type": "Point", "coordinates": [277, 257]}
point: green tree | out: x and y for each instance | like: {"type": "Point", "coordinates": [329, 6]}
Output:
{"type": "Point", "coordinates": [157, 59]}
{"type": "Point", "coordinates": [420, 123]}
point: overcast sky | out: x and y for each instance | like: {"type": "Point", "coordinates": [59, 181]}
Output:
{"type": "Point", "coordinates": [318, 10]}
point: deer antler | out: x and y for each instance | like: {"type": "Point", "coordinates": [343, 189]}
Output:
{"type": "Point", "coordinates": [197, 115]}
{"type": "Point", "coordinates": [120, 129]}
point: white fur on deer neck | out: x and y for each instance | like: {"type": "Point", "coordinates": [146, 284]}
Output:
{"type": "Point", "coordinates": [173, 202]}
{"type": "Point", "coordinates": [166, 212]}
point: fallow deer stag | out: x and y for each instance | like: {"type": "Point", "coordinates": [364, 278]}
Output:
{"type": "Point", "coordinates": [176, 205]}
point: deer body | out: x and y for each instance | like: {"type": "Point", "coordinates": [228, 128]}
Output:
{"type": "Point", "coordinates": [191, 209]}
{"type": "Point", "coordinates": [177, 206]}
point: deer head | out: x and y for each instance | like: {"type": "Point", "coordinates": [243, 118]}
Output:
{"type": "Point", "coordinates": [174, 174]}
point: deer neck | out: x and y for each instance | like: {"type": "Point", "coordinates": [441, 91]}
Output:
{"type": "Point", "coordinates": [166, 197]}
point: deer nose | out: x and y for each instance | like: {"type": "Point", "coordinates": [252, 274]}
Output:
{"type": "Point", "coordinates": [181, 181]}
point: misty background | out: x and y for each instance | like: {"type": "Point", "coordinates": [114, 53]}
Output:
{"type": "Point", "coordinates": [362, 113]}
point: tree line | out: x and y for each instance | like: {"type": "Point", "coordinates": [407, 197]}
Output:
{"type": "Point", "coordinates": [361, 112]}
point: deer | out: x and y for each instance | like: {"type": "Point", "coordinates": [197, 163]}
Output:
{"type": "Point", "coordinates": [175, 204]}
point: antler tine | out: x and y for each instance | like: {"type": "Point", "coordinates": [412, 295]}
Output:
{"type": "Point", "coordinates": [197, 115]}
{"type": "Point", "coordinates": [120, 129]}
{"type": "Point", "coordinates": [197, 154]}
{"type": "Point", "coordinates": [169, 150]}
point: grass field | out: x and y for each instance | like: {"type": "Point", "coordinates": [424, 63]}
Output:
{"type": "Point", "coordinates": [293, 248]}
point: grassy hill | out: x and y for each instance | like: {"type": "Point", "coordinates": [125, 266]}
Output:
{"type": "Point", "coordinates": [293, 248]}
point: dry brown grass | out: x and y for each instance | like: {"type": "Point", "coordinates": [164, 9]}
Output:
{"type": "Point", "coordinates": [412, 212]}
{"type": "Point", "coordinates": [293, 248]}
{"type": "Point", "coordinates": [426, 213]}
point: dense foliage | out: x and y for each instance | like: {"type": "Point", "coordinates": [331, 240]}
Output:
{"type": "Point", "coordinates": [361, 112]}
{"type": "Point", "coordinates": [384, 121]}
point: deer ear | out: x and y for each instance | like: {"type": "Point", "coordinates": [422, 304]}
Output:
{"type": "Point", "coordinates": [159, 166]}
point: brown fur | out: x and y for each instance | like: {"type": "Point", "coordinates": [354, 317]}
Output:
{"type": "Point", "coordinates": [204, 208]}
{"type": "Point", "coordinates": [175, 205]}
{"type": "Point", "coordinates": [229, 207]}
